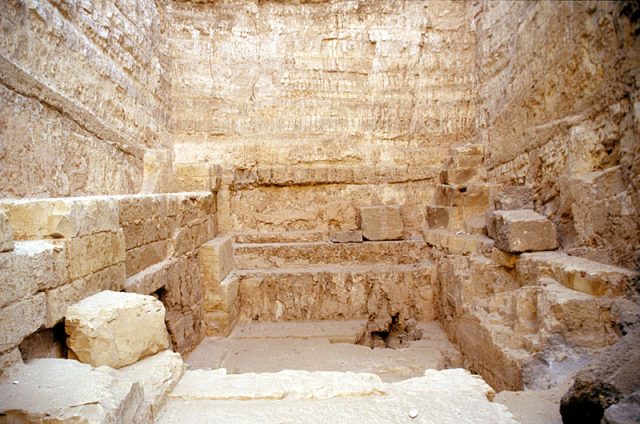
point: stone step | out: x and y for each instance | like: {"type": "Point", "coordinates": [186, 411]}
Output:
{"type": "Point", "coordinates": [336, 292]}
{"type": "Point", "coordinates": [334, 331]}
{"type": "Point", "coordinates": [576, 273]}
{"type": "Point", "coordinates": [318, 397]}
{"type": "Point", "coordinates": [457, 242]}
{"type": "Point", "coordinates": [280, 237]}
{"type": "Point", "coordinates": [310, 254]}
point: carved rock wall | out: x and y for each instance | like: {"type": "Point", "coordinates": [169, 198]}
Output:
{"type": "Point", "coordinates": [353, 81]}
{"type": "Point", "coordinates": [82, 96]}
{"type": "Point", "coordinates": [559, 109]}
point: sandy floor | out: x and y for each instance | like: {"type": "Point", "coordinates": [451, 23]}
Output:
{"type": "Point", "coordinates": [328, 346]}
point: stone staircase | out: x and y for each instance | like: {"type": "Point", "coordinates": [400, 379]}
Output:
{"type": "Point", "coordinates": [320, 280]}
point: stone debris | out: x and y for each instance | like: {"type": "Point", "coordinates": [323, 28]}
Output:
{"type": "Point", "coordinates": [521, 230]}
{"type": "Point", "coordinates": [61, 390]}
{"type": "Point", "coordinates": [382, 222]}
{"type": "Point", "coordinates": [116, 329]}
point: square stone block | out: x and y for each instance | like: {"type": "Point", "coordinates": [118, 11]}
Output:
{"type": "Point", "coordinates": [521, 230]}
{"type": "Point", "coordinates": [382, 222]}
{"type": "Point", "coordinates": [216, 260]}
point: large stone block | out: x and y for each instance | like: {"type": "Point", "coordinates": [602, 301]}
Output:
{"type": "Point", "coordinates": [94, 252]}
{"type": "Point", "coordinates": [140, 207]}
{"type": "Point", "coordinates": [116, 329]}
{"type": "Point", "coordinates": [60, 298]}
{"type": "Point", "coordinates": [521, 230]}
{"type": "Point", "coordinates": [6, 233]}
{"type": "Point", "coordinates": [61, 217]}
{"type": "Point", "coordinates": [216, 260]}
{"type": "Point", "coordinates": [575, 273]}
{"type": "Point", "coordinates": [32, 266]}
{"type": "Point", "coordinates": [382, 222]}
{"type": "Point", "coordinates": [67, 391]}
{"type": "Point", "coordinates": [20, 319]}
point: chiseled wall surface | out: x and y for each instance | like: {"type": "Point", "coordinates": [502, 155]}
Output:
{"type": "Point", "coordinates": [559, 108]}
{"type": "Point", "coordinates": [349, 82]}
{"type": "Point", "coordinates": [82, 96]}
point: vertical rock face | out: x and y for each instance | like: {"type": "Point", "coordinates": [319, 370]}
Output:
{"type": "Point", "coordinates": [116, 329]}
{"type": "Point", "coordinates": [304, 82]}
{"type": "Point", "coordinates": [560, 112]}
{"type": "Point", "coordinates": [84, 101]}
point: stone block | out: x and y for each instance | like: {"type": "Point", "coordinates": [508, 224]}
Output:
{"type": "Point", "coordinates": [382, 222]}
{"type": "Point", "coordinates": [458, 176]}
{"type": "Point", "coordinates": [59, 299]}
{"type": "Point", "coordinates": [61, 217]}
{"type": "Point", "coordinates": [216, 260]}
{"type": "Point", "coordinates": [6, 233]}
{"type": "Point", "coordinates": [145, 256]}
{"type": "Point", "coordinates": [140, 207]}
{"type": "Point", "coordinates": [224, 296]}
{"type": "Point", "coordinates": [152, 278]}
{"type": "Point", "coordinates": [158, 375]}
{"type": "Point", "coordinates": [575, 273]}
{"type": "Point", "coordinates": [116, 329]}
{"type": "Point", "coordinates": [521, 230]}
{"type": "Point", "coordinates": [199, 176]}
{"type": "Point", "coordinates": [349, 236]}
{"type": "Point", "coordinates": [457, 242]}
{"type": "Point", "coordinates": [189, 238]}
{"type": "Point", "coordinates": [91, 253]}
{"type": "Point", "coordinates": [20, 319]}
{"type": "Point", "coordinates": [513, 197]}
{"type": "Point", "coordinates": [67, 391]}
{"type": "Point", "coordinates": [32, 266]}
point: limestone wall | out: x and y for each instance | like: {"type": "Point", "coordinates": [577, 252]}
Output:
{"type": "Point", "coordinates": [309, 107]}
{"type": "Point", "coordinates": [83, 95]}
{"type": "Point", "coordinates": [66, 249]}
{"type": "Point", "coordinates": [560, 110]}
{"type": "Point", "coordinates": [365, 82]}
